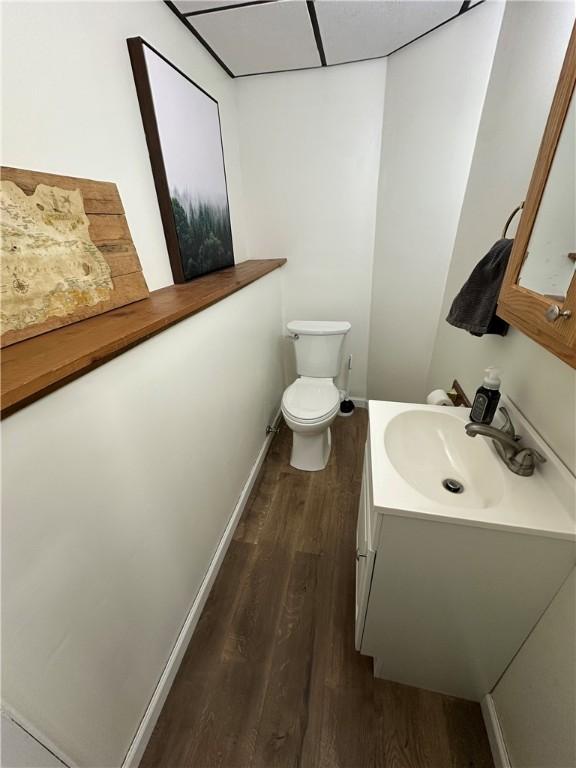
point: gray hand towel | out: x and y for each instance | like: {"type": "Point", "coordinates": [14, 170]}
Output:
{"type": "Point", "coordinates": [474, 308]}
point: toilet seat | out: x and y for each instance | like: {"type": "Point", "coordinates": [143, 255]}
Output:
{"type": "Point", "coordinates": [310, 400]}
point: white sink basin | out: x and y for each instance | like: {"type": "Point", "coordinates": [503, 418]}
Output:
{"type": "Point", "coordinates": [414, 448]}
{"type": "Point", "coordinates": [431, 451]}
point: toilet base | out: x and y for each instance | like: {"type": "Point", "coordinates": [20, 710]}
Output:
{"type": "Point", "coordinates": [310, 452]}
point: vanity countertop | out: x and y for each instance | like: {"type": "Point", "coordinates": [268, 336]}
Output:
{"type": "Point", "coordinates": [410, 456]}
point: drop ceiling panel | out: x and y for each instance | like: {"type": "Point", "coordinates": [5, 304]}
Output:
{"type": "Point", "coordinates": [192, 6]}
{"type": "Point", "coordinates": [261, 38]}
{"type": "Point", "coordinates": [364, 29]}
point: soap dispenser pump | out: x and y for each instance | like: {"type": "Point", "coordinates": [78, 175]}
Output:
{"type": "Point", "coordinates": [486, 399]}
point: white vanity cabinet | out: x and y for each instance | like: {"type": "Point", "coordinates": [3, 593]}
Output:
{"type": "Point", "coordinates": [445, 605]}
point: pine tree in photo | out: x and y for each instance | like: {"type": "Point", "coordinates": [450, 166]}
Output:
{"type": "Point", "coordinates": [204, 234]}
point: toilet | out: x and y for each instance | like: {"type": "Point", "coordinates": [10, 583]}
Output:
{"type": "Point", "coordinates": [311, 403]}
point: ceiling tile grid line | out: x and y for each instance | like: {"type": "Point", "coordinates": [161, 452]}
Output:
{"type": "Point", "coordinates": [316, 28]}
{"type": "Point", "coordinates": [266, 36]}
{"type": "Point", "coordinates": [370, 29]}
{"type": "Point", "coordinates": [215, 7]}
{"type": "Point", "coordinates": [466, 6]}
{"type": "Point", "coordinates": [200, 39]}
{"type": "Point", "coordinates": [253, 37]}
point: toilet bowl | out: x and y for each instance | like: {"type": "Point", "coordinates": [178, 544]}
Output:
{"type": "Point", "coordinates": [309, 406]}
{"type": "Point", "coordinates": [311, 403]}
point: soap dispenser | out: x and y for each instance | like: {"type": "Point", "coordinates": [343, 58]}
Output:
{"type": "Point", "coordinates": [486, 399]}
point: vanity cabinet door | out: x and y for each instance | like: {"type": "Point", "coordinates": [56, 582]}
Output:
{"type": "Point", "coordinates": [364, 559]}
{"type": "Point", "coordinates": [361, 537]}
{"type": "Point", "coordinates": [451, 604]}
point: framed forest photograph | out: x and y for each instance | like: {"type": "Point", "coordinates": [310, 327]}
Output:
{"type": "Point", "coordinates": [182, 127]}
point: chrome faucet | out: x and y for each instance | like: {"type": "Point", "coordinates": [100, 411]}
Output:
{"type": "Point", "coordinates": [518, 458]}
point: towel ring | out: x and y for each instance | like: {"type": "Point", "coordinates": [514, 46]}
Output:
{"type": "Point", "coordinates": [509, 219]}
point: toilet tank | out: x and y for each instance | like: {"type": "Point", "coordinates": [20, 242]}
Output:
{"type": "Point", "coordinates": [318, 347]}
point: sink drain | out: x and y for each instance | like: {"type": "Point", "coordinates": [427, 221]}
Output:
{"type": "Point", "coordinates": [454, 486]}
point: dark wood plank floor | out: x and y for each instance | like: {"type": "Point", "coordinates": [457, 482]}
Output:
{"type": "Point", "coordinates": [271, 676]}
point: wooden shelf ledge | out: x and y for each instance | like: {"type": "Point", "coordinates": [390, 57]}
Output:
{"type": "Point", "coordinates": [37, 366]}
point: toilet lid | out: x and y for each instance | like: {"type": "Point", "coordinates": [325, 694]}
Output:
{"type": "Point", "coordinates": [310, 399]}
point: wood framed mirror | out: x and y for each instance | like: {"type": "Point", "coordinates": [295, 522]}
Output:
{"type": "Point", "coordinates": [538, 294]}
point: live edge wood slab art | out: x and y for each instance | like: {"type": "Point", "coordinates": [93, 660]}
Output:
{"type": "Point", "coordinates": [67, 253]}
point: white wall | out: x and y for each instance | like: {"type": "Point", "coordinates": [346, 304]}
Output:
{"type": "Point", "coordinates": [69, 105]}
{"type": "Point", "coordinates": [117, 487]}
{"type": "Point", "coordinates": [310, 156]}
{"type": "Point", "coordinates": [527, 63]}
{"type": "Point", "coordinates": [536, 698]}
{"type": "Point", "coordinates": [434, 95]}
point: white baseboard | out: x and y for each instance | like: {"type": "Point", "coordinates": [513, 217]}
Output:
{"type": "Point", "coordinates": [144, 732]}
{"type": "Point", "coordinates": [495, 735]}
{"type": "Point", "coordinates": [359, 402]}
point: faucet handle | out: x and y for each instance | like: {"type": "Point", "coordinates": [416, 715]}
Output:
{"type": "Point", "coordinates": [508, 425]}
{"type": "Point", "coordinates": [539, 459]}
{"type": "Point", "coordinates": [525, 461]}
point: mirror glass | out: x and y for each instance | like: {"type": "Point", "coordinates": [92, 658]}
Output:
{"type": "Point", "coordinates": [551, 255]}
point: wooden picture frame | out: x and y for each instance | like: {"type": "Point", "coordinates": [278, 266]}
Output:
{"type": "Point", "coordinates": [186, 258]}
{"type": "Point", "coordinates": [523, 308]}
